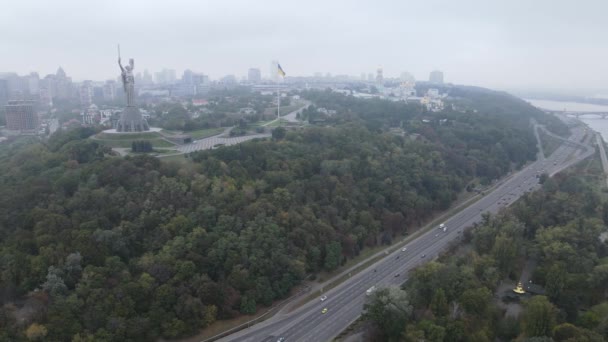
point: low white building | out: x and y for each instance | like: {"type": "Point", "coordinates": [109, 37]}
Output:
{"type": "Point", "coordinates": [433, 93]}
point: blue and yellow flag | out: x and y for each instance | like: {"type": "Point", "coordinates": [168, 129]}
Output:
{"type": "Point", "coordinates": [280, 70]}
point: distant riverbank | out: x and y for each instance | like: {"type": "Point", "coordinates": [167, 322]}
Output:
{"type": "Point", "coordinates": [568, 106]}
{"type": "Point", "coordinates": [595, 123]}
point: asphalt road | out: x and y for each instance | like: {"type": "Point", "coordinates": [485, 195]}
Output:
{"type": "Point", "coordinates": [600, 144]}
{"type": "Point", "coordinates": [344, 303]}
{"type": "Point", "coordinates": [209, 143]}
{"type": "Point", "coordinates": [291, 117]}
{"type": "Point", "coordinates": [220, 140]}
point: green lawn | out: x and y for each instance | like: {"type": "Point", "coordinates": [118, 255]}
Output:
{"type": "Point", "coordinates": [128, 136]}
{"type": "Point", "coordinates": [283, 123]}
{"type": "Point", "coordinates": [127, 143]}
{"type": "Point", "coordinates": [260, 123]}
{"type": "Point", "coordinates": [550, 144]}
{"type": "Point", "coordinates": [288, 109]}
{"type": "Point", "coordinates": [165, 151]}
{"type": "Point", "coordinates": [155, 152]}
{"type": "Point", "coordinates": [205, 133]}
{"type": "Point", "coordinates": [156, 140]}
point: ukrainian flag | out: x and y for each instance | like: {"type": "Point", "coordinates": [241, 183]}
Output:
{"type": "Point", "coordinates": [280, 70]}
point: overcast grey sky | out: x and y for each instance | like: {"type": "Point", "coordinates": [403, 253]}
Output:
{"type": "Point", "coordinates": [494, 43]}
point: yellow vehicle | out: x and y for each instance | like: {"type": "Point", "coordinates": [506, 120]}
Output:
{"type": "Point", "coordinates": [324, 311]}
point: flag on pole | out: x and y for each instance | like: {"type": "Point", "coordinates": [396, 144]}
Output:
{"type": "Point", "coordinates": [280, 70]}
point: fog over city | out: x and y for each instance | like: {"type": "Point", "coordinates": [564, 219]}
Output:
{"type": "Point", "coordinates": [507, 44]}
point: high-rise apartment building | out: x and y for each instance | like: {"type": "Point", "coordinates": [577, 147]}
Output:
{"type": "Point", "coordinates": [109, 90]}
{"type": "Point", "coordinates": [165, 76]}
{"type": "Point", "coordinates": [33, 83]}
{"type": "Point", "coordinates": [47, 90]}
{"type": "Point", "coordinates": [15, 85]}
{"type": "Point", "coordinates": [407, 77]}
{"type": "Point", "coordinates": [379, 76]}
{"type": "Point", "coordinates": [228, 80]}
{"type": "Point", "coordinates": [63, 85]}
{"type": "Point", "coordinates": [139, 79]}
{"type": "Point", "coordinates": [171, 76]}
{"type": "Point", "coordinates": [187, 77]}
{"type": "Point", "coordinates": [147, 77]}
{"type": "Point", "coordinates": [86, 94]}
{"type": "Point", "coordinates": [21, 115]}
{"type": "Point", "coordinates": [160, 78]}
{"type": "Point", "coordinates": [254, 75]}
{"type": "Point", "coordinates": [436, 77]}
{"type": "Point", "coordinates": [3, 92]}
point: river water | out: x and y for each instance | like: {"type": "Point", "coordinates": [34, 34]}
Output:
{"type": "Point", "coordinates": [595, 122]}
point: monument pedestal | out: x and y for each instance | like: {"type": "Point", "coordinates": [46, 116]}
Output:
{"type": "Point", "coordinates": [131, 121]}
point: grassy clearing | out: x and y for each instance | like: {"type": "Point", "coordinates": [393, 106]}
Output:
{"type": "Point", "coordinates": [550, 144]}
{"type": "Point", "coordinates": [260, 123]}
{"type": "Point", "coordinates": [153, 153]}
{"type": "Point", "coordinates": [127, 143]}
{"type": "Point", "coordinates": [288, 109]}
{"type": "Point", "coordinates": [165, 151]}
{"type": "Point", "coordinates": [593, 173]}
{"type": "Point", "coordinates": [277, 123]}
{"type": "Point", "coordinates": [205, 133]}
{"type": "Point", "coordinates": [125, 140]}
{"type": "Point", "coordinates": [128, 136]}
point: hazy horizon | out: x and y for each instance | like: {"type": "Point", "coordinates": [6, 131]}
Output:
{"type": "Point", "coordinates": [511, 45]}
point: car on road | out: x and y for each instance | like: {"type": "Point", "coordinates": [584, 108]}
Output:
{"type": "Point", "coordinates": [281, 339]}
{"type": "Point", "coordinates": [397, 274]}
{"type": "Point", "coordinates": [370, 290]}
{"type": "Point", "coordinates": [323, 298]}
{"type": "Point", "coordinates": [423, 256]}
{"type": "Point", "coordinates": [324, 311]}
{"type": "Point", "coordinates": [404, 249]}
{"type": "Point", "coordinates": [436, 235]}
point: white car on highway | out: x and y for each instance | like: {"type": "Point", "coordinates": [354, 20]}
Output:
{"type": "Point", "coordinates": [323, 298]}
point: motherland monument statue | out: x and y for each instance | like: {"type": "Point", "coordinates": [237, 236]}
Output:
{"type": "Point", "coordinates": [130, 119]}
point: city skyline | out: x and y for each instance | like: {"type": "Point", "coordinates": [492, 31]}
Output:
{"type": "Point", "coordinates": [170, 76]}
{"type": "Point", "coordinates": [514, 44]}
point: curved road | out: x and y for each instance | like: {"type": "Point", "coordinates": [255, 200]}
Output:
{"type": "Point", "coordinates": [344, 303]}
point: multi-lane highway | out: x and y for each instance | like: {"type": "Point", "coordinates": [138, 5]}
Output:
{"type": "Point", "coordinates": [345, 302]}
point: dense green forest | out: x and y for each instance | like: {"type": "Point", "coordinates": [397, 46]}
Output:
{"type": "Point", "coordinates": [129, 249]}
{"type": "Point", "coordinates": [558, 229]}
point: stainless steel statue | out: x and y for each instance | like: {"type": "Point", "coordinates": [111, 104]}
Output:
{"type": "Point", "coordinates": [128, 81]}
{"type": "Point", "coordinates": [130, 119]}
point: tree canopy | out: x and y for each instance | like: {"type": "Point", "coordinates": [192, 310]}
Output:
{"type": "Point", "coordinates": [132, 249]}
